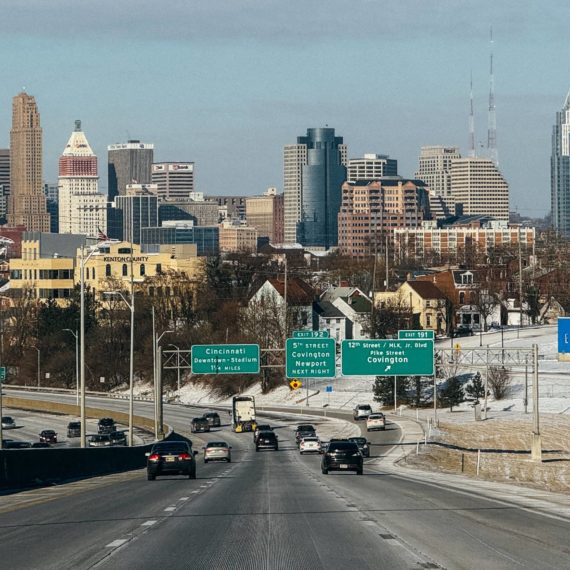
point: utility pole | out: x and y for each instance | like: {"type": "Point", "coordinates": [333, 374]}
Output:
{"type": "Point", "coordinates": [536, 439]}
{"type": "Point", "coordinates": [154, 375]}
{"type": "Point", "coordinates": [132, 355]}
{"type": "Point", "coordinates": [387, 266]}
{"type": "Point", "coordinates": [285, 302]}
{"type": "Point", "coordinates": [520, 284]}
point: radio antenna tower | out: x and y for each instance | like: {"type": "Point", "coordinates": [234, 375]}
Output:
{"type": "Point", "coordinates": [471, 122]}
{"type": "Point", "coordinates": [492, 129]}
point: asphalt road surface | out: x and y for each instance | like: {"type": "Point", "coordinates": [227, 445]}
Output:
{"type": "Point", "coordinates": [274, 510]}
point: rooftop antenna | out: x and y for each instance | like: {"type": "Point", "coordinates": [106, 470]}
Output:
{"type": "Point", "coordinates": [492, 130]}
{"type": "Point", "coordinates": [472, 153]}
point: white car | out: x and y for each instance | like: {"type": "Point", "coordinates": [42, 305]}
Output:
{"type": "Point", "coordinates": [310, 445]}
{"type": "Point", "coordinates": [361, 412]}
{"type": "Point", "coordinates": [8, 422]}
{"type": "Point", "coordinates": [376, 421]}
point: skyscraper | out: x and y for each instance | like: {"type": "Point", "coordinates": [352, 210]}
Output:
{"type": "Point", "coordinates": [175, 180]}
{"type": "Point", "coordinates": [371, 167]}
{"type": "Point", "coordinates": [4, 181]}
{"type": "Point", "coordinates": [560, 170]}
{"type": "Point", "coordinates": [27, 203]}
{"type": "Point", "coordinates": [82, 209]}
{"type": "Point", "coordinates": [478, 184]}
{"type": "Point", "coordinates": [138, 212]}
{"type": "Point", "coordinates": [314, 171]}
{"type": "Point", "coordinates": [435, 168]}
{"type": "Point", "coordinates": [130, 162]}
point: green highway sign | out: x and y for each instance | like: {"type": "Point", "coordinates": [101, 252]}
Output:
{"type": "Point", "coordinates": [2, 373]}
{"type": "Point", "coordinates": [311, 334]}
{"type": "Point", "coordinates": [387, 358]}
{"type": "Point", "coordinates": [416, 335]}
{"type": "Point", "coordinates": [225, 359]}
{"type": "Point", "coordinates": [310, 358]}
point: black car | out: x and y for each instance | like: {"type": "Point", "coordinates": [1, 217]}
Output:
{"type": "Point", "coordinates": [213, 419]}
{"type": "Point", "coordinates": [199, 425]}
{"type": "Point", "coordinates": [462, 330]}
{"type": "Point", "coordinates": [259, 428]}
{"type": "Point", "coordinates": [118, 438]}
{"type": "Point", "coordinates": [304, 430]}
{"type": "Point", "coordinates": [363, 445]}
{"type": "Point", "coordinates": [266, 440]}
{"type": "Point", "coordinates": [342, 456]}
{"type": "Point", "coordinates": [40, 444]}
{"type": "Point", "coordinates": [73, 429]}
{"type": "Point", "coordinates": [48, 436]}
{"type": "Point", "coordinates": [106, 426]}
{"type": "Point", "coordinates": [171, 458]}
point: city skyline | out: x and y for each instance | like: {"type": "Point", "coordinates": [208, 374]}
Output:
{"type": "Point", "coordinates": [227, 79]}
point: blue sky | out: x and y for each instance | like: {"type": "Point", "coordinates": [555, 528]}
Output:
{"type": "Point", "coordinates": [227, 83]}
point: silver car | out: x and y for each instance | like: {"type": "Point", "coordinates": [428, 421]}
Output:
{"type": "Point", "coordinates": [101, 440]}
{"type": "Point", "coordinates": [217, 451]}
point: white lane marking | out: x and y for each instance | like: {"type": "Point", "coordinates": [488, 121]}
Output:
{"type": "Point", "coordinates": [148, 523]}
{"type": "Point", "coordinates": [196, 491]}
{"type": "Point", "coordinates": [170, 509]}
{"type": "Point", "coordinates": [183, 498]}
{"type": "Point", "coordinates": [116, 543]}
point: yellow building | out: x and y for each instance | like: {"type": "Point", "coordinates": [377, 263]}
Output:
{"type": "Point", "coordinates": [111, 265]}
{"type": "Point", "coordinates": [50, 275]}
{"type": "Point", "coordinates": [45, 277]}
{"type": "Point", "coordinates": [423, 299]}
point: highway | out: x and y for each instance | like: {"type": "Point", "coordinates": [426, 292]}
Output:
{"type": "Point", "coordinates": [273, 510]}
{"type": "Point", "coordinates": [30, 424]}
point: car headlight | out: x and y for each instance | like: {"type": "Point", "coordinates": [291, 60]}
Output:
{"type": "Point", "coordinates": [365, 447]}
{"type": "Point", "coordinates": [356, 454]}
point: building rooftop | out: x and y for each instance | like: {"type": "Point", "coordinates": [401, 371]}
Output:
{"type": "Point", "coordinates": [426, 290]}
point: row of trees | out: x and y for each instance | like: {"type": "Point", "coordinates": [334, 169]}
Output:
{"type": "Point", "coordinates": [417, 391]}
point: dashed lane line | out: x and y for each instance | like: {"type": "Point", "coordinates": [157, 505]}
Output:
{"type": "Point", "coordinates": [149, 523]}
{"type": "Point", "coordinates": [117, 543]}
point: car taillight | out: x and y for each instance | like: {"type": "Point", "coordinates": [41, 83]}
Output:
{"type": "Point", "coordinates": [154, 457]}
{"type": "Point", "coordinates": [184, 456]}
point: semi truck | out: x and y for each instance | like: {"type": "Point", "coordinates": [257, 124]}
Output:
{"type": "Point", "coordinates": [243, 413]}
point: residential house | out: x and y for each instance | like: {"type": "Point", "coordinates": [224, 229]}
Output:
{"type": "Point", "coordinates": [327, 317]}
{"type": "Point", "coordinates": [270, 297]}
{"type": "Point", "coordinates": [356, 307]}
{"type": "Point", "coordinates": [427, 303]}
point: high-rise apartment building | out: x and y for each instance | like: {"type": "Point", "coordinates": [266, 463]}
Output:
{"type": "Point", "coordinates": [51, 192]}
{"type": "Point", "coordinates": [265, 214]}
{"type": "Point", "coordinates": [128, 163]}
{"type": "Point", "coordinates": [560, 170]}
{"type": "Point", "coordinates": [175, 180]}
{"type": "Point", "coordinates": [82, 209]}
{"type": "Point", "coordinates": [27, 203]}
{"type": "Point", "coordinates": [371, 167]}
{"type": "Point", "coordinates": [478, 185]}
{"type": "Point", "coordinates": [372, 210]}
{"type": "Point", "coordinates": [314, 171]}
{"type": "Point", "coordinates": [4, 181]}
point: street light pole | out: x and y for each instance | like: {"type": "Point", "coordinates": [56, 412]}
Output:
{"type": "Point", "coordinates": [76, 336]}
{"type": "Point", "coordinates": [82, 261]}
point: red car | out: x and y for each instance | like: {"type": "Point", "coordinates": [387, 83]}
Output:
{"type": "Point", "coordinates": [48, 436]}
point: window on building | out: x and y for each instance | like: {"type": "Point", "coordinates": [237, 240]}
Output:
{"type": "Point", "coordinates": [142, 269]}
{"type": "Point", "coordinates": [462, 297]}
{"type": "Point", "coordinates": [159, 268]}
{"type": "Point", "coordinates": [124, 250]}
{"type": "Point", "coordinates": [108, 270]}
{"type": "Point", "coordinates": [125, 270]}
{"type": "Point", "coordinates": [428, 320]}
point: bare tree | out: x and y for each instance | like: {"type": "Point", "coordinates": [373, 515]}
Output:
{"type": "Point", "coordinates": [499, 381]}
{"type": "Point", "coordinates": [485, 302]}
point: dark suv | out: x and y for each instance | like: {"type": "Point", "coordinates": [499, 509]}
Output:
{"type": "Point", "coordinates": [266, 440]}
{"type": "Point", "coordinates": [106, 426]}
{"type": "Point", "coordinates": [118, 438]}
{"type": "Point", "coordinates": [199, 425]}
{"type": "Point", "coordinates": [462, 330]}
{"type": "Point", "coordinates": [342, 456]}
{"type": "Point", "coordinates": [73, 429]}
{"type": "Point", "coordinates": [213, 419]}
{"type": "Point", "coordinates": [304, 430]}
{"type": "Point", "coordinates": [171, 458]}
